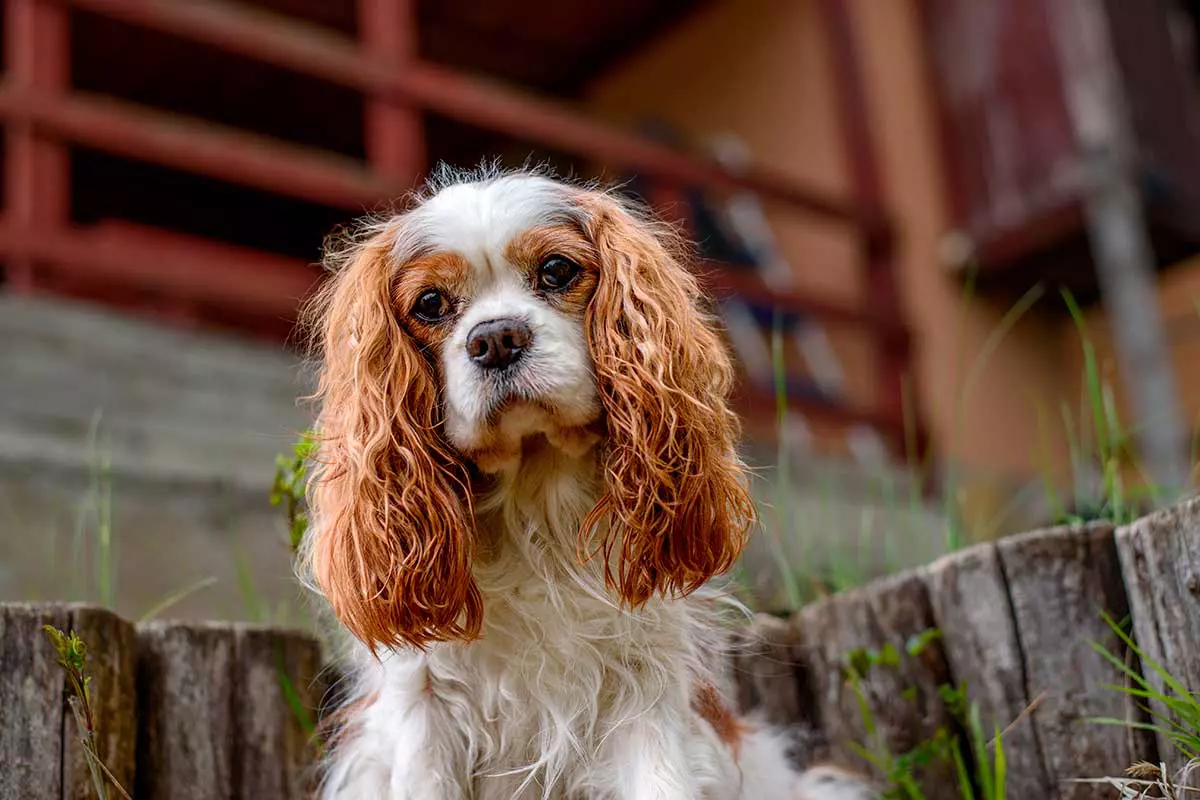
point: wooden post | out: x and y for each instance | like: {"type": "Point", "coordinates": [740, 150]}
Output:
{"type": "Point", "coordinates": [31, 696]}
{"type": "Point", "coordinates": [277, 697]}
{"type": "Point", "coordinates": [905, 698]}
{"type": "Point", "coordinates": [877, 240]}
{"type": "Point", "coordinates": [394, 135]}
{"type": "Point", "coordinates": [1121, 249]}
{"type": "Point", "coordinates": [1059, 580]}
{"type": "Point", "coordinates": [186, 692]}
{"type": "Point", "coordinates": [1160, 559]}
{"type": "Point", "coordinates": [221, 711]}
{"type": "Point", "coordinates": [969, 595]}
{"type": "Point", "coordinates": [112, 664]}
{"type": "Point", "coordinates": [36, 170]}
{"type": "Point", "coordinates": [770, 679]}
{"type": "Point", "coordinates": [40, 746]}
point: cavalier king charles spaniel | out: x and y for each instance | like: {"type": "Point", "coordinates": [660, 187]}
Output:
{"type": "Point", "coordinates": [527, 474]}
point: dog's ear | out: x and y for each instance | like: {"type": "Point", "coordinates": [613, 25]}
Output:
{"type": "Point", "coordinates": [676, 509]}
{"type": "Point", "coordinates": [391, 540]}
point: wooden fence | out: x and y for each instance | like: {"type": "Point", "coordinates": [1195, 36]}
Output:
{"type": "Point", "coordinates": [184, 711]}
{"type": "Point", "coordinates": [201, 711]}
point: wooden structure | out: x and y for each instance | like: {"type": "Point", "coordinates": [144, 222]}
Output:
{"type": "Point", "coordinates": [193, 712]}
{"type": "Point", "coordinates": [1016, 160]}
{"type": "Point", "coordinates": [183, 711]}
{"type": "Point", "coordinates": [185, 157]}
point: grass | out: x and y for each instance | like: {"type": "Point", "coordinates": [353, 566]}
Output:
{"type": "Point", "coordinates": [976, 759]}
{"type": "Point", "coordinates": [1172, 708]}
{"type": "Point", "coordinates": [1101, 460]}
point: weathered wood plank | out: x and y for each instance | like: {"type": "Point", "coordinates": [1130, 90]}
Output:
{"type": "Point", "coordinates": [275, 682]}
{"type": "Point", "coordinates": [1059, 581]}
{"type": "Point", "coordinates": [771, 682]}
{"type": "Point", "coordinates": [186, 699]}
{"type": "Point", "coordinates": [906, 701]}
{"type": "Point", "coordinates": [112, 665]}
{"type": "Point", "coordinates": [1160, 561]}
{"type": "Point", "coordinates": [31, 702]}
{"type": "Point", "coordinates": [968, 593]}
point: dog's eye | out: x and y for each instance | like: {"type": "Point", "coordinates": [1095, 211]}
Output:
{"type": "Point", "coordinates": [556, 274]}
{"type": "Point", "coordinates": [431, 306]}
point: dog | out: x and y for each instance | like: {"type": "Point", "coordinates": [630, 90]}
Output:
{"type": "Point", "coordinates": [526, 477]}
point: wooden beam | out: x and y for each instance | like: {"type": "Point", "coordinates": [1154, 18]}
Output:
{"type": "Point", "coordinates": [724, 281]}
{"type": "Point", "coordinates": [895, 363]}
{"type": "Point", "coordinates": [310, 50]}
{"type": "Point", "coordinates": [180, 267]}
{"type": "Point", "coordinates": [192, 145]}
{"type": "Point", "coordinates": [36, 170]}
{"type": "Point", "coordinates": [761, 414]}
{"type": "Point", "coordinates": [393, 130]}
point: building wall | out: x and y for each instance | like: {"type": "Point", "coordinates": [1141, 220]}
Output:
{"type": "Point", "coordinates": [1179, 305]}
{"type": "Point", "coordinates": [759, 69]}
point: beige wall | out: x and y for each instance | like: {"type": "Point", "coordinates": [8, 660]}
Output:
{"type": "Point", "coordinates": [1179, 304]}
{"type": "Point", "coordinates": [759, 68]}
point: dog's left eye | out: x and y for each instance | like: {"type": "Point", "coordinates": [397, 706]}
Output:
{"type": "Point", "coordinates": [556, 274]}
{"type": "Point", "coordinates": [431, 306]}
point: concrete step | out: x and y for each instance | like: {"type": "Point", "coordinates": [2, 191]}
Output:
{"type": "Point", "coordinates": [169, 402]}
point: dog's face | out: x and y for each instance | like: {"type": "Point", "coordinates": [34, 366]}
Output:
{"type": "Point", "coordinates": [493, 313]}
{"type": "Point", "coordinates": [494, 282]}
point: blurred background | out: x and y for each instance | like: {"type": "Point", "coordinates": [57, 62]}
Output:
{"type": "Point", "coordinates": [952, 242]}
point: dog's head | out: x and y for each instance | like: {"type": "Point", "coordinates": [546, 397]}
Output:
{"type": "Point", "coordinates": [492, 313]}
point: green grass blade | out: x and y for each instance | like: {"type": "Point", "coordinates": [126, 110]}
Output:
{"type": "Point", "coordinates": [1001, 767]}
{"type": "Point", "coordinates": [962, 775]}
{"type": "Point", "coordinates": [176, 597]}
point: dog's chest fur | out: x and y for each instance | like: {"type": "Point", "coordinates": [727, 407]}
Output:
{"type": "Point", "coordinates": [560, 665]}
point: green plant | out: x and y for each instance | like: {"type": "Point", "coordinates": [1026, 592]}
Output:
{"type": "Point", "coordinates": [72, 657]}
{"type": "Point", "coordinates": [1177, 715]}
{"type": "Point", "coordinates": [287, 488]}
{"type": "Point", "coordinates": [1176, 719]}
{"type": "Point", "coordinates": [980, 771]}
{"type": "Point", "coordinates": [287, 492]}
{"type": "Point", "coordinates": [1104, 432]}
{"type": "Point", "coordinates": [783, 503]}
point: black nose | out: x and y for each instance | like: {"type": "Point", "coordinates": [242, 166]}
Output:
{"type": "Point", "coordinates": [497, 343]}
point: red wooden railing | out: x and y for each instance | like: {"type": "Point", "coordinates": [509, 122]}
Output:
{"type": "Point", "coordinates": [43, 116]}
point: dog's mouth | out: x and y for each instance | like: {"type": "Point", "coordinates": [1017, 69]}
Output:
{"type": "Point", "coordinates": [516, 428]}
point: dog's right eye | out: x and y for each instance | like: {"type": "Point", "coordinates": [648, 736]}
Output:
{"type": "Point", "coordinates": [431, 306]}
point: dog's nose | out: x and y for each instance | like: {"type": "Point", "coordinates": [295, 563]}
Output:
{"type": "Point", "coordinates": [497, 343]}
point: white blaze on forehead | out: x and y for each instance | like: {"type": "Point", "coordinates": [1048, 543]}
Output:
{"type": "Point", "coordinates": [478, 220]}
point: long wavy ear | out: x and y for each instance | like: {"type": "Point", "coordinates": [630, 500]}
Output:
{"type": "Point", "coordinates": [391, 541]}
{"type": "Point", "coordinates": [675, 503]}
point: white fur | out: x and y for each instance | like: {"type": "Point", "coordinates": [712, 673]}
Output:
{"type": "Point", "coordinates": [567, 694]}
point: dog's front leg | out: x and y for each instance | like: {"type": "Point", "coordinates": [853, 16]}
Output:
{"type": "Point", "coordinates": [646, 758]}
{"type": "Point", "coordinates": [403, 745]}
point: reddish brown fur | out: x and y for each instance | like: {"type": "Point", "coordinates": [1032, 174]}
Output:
{"type": "Point", "coordinates": [449, 273]}
{"type": "Point", "coordinates": [676, 504]}
{"type": "Point", "coordinates": [394, 549]}
{"type": "Point", "coordinates": [527, 251]}
{"type": "Point", "coordinates": [707, 702]}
